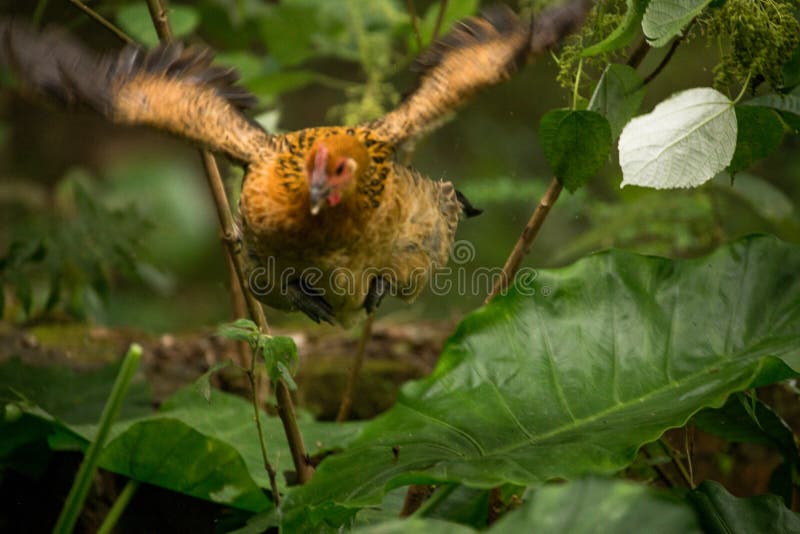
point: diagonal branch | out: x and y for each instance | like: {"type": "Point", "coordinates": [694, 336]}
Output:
{"type": "Point", "coordinates": [233, 247]}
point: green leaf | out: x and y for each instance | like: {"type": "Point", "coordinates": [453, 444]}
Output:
{"type": "Point", "coordinates": [240, 330]}
{"type": "Point", "coordinates": [576, 144]}
{"type": "Point", "coordinates": [595, 506]}
{"type": "Point", "coordinates": [722, 513]}
{"type": "Point", "coordinates": [416, 525]}
{"type": "Point", "coordinates": [617, 97]}
{"type": "Point", "coordinates": [571, 373]}
{"type": "Point", "coordinates": [759, 134]}
{"type": "Point", "coordinates": [174, 455]}
{"type": "Point", "coordinates": [664, 19]}
{"type": "Point", "coordinates": [136, 21]}
{"type": "Point", "coordinates": [203, 384]}
{"type": "Point", "coordinates": [735, 422]}
{"type": "Point", "coordinates": [622, 34]}
{"type": "Point", "coordinates": [787, 105]}
{"type": "Point", "coordinates": [288, 30]}
{"type": "Point", "coordinates": [683, 142]}
{"type": "Point", "coordinates": [206, 449]}
{"type": "Point", "coordinates": [279, 353]}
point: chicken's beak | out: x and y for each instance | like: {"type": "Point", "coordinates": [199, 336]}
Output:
{"type": "Point", "coordinates": [318, 194]}
{"type": "Point", "coordinates": [318, 182]}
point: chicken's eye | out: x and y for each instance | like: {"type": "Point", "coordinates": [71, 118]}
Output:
{"type": "Point", "coordinates": [340, 168]}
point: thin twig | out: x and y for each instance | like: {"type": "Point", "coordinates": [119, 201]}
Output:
{"type": "Point", "coordinates": [676, 461]}
{"type": "Point", "coordinates": [439, 19]}
{"type": "Point", "coordinates": [118, 508]}
{"type": "Point", "coordinates": [638, 54]}
{"type": "Point", "coordinates": [160, 20]}
{"type": "Point", "coordinates": [102, 20]}
{"type": "Point", "coordinates": [663, 63]}
{"type": "Point", "coordinates": [526, 239]}
{"type": "Point", "coordinates": [412, 12]}
{"type": "Point", "coordinates": [233, 247]}
{"type": "Point", "coordinates": [273, 476]}
{"type": "Point", "coordinates": [352, 378]}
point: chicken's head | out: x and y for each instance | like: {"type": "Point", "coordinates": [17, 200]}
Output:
{"type": "Point", "coordinates": [333, 166]}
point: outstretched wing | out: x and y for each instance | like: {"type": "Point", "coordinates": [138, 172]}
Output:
{"type": "Point", "coordinates": [171, 88]}
{"type": "Point", "coordinates": [478, 52]}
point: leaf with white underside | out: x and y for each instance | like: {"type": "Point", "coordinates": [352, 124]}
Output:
{"type": "Point", "coordinates": [683, 142]}
{"type": "Point", "coordinates": [664, 19]}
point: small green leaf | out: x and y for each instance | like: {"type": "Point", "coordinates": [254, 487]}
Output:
{"type": "Point", "coordinates": [722, 513]}
{"type": "Point", "coordinates": [576, 144]}
{"type": "Point", "coordinates": [683, 142]}
{"type": "Point", "coordinates": [203, 383]}
{"type": "Point", "coordinates": [664, 19]}
{"type": "Point", "coordinates": [135, 20]}
{"type": "Point", "coordinates": [622, 34]}
{"type": "Point", "coordinates": [279, 353]}
{"type": "Point", "coordinates": [759, 134]}
{"type": "Point", "coordinates": [240, 330]}
{"type": "Point", "coordinates": [617, 97]}
{"type": "Point", "coordinates": [592, 506]}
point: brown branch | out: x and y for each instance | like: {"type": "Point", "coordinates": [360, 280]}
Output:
{"type": "Point", "coordinates": [638, 54]}
{"type": "Point", "coordinates": [663, 63]}
{"type": "Point", "coordinates": [412, 12]}
{"type": "Point", "coordinates": [526, 239]}
{"type": "Point", "coordinates": [101, 20]}
{"type": "Point", "coordinates": [352, 378]}
{"type": "Point", "coordinates": [439, 19]}
{"type": "Point", "coordinates": [160, 20]}
{"type": "Point", "coordinates": [233, 247]}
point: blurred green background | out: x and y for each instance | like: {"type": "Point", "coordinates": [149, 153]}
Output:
{"type": "Point", "coordinates": [116, 225]}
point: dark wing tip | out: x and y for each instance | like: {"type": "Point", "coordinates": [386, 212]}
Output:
{"type": "Point", "coordinates": [193, 64]}
{"type": "Point", "coordinates": [493, 22]}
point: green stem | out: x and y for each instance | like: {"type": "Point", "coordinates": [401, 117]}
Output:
{"type": "Point", "coordinates": [119, 507]}
{"type": "Point", "coordinates": [435, 500]}
{"type": "Point", "coordinates": [744, 88]}
{"type": "Point", "coordinates": [577, 84]}
{"type": "Point", "coordinates": [41, 5]}
{"type": "Point", "coordinates": [83, 480]}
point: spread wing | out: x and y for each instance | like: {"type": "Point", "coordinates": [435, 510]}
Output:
{"type": "Point", "coordinates": [478, 52]}
{"type": "Point", "coordinates": [171, 88]}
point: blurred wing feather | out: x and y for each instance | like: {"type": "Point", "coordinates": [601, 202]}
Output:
{"type": "Point", "coordinates": [478, 52]}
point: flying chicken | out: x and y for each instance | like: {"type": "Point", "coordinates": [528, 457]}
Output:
{"type": "Point", "coordinates": [330, 221]}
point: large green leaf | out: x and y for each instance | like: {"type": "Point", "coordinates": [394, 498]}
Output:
{"type": "Point", "coordinates": [596, 506]}
{"type": "Point", "coordinates": [722, 513]}
{"type": "Point", "coordinates": [209, 450]}
{"type": "Point", "coordinates": [572, 372]}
